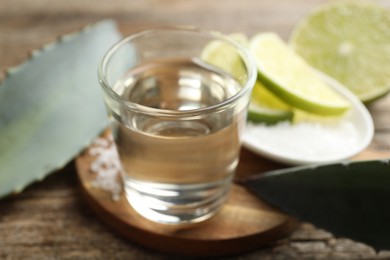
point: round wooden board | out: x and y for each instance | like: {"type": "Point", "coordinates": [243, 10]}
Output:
{"type": "Point", "coordinates": [243, 224]}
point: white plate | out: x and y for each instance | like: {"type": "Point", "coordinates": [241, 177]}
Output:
{"type": "Point", "coordinates": [307, 143]}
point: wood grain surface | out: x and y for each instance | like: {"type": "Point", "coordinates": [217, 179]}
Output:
{"type": "Point", "coordinates": [50, 219]}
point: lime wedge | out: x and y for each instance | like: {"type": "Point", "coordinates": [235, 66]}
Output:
{"type": "Point", "coordinates": [266, 108]}
{"type": "Point", "coordinates": [261, 95]}
{"type": "Point", "coordinates": [350, 41]}
{"type": "Point", "coordinates": [225, 56]}
{"type": "Point", "coordinates": [292, 79]}
{"type": "Point", "coordinates": [258, 113]}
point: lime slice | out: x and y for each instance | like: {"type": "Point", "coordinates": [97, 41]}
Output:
{"type": "Point", "coordinates": [225, 56]}
{"type": "Point", "coordinates": [350, 41]}
{"type": "Point", "coordinates": [261, 95]}
{"type": "Point", "coordinates": [294, 81]}
{"type": "Point", "coordinates": [261, 114]}
{"type": "Point", "coordinates": [266, 108]}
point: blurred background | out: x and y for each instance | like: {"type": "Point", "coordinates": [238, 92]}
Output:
{"type": "Point", "coordinates": [27, 24]}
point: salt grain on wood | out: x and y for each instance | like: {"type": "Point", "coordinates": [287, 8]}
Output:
{"type": "Point", "coordinates": [106, 166]}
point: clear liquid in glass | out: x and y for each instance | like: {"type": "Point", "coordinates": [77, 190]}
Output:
{"type": "Point", "coordinates": [177, 170]}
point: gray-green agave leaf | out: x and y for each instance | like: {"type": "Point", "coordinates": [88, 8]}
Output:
{"type": "Point", "coordinates": [51, 106]}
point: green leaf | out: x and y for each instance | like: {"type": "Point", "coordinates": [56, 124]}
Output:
{"type": "Point", "coordinates": [51, 106]}
{"type": "Point", "coordinates": [349, 199]}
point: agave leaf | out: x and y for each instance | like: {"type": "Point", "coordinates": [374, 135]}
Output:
{"type": "Point", "coordinates": [51, 106]}
{"type": "Point", "coordinates": [349, 199]}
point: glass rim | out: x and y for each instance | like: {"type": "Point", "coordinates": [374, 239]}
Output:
{"type": "Point", "coordinates": [214, 35]}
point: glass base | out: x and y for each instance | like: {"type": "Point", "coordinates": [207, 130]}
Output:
{"type": "Point", "coordinates": [177, 203]}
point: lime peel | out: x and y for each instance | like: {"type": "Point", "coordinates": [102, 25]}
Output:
{"type": "Point", "coordinates": [261, 114]}
{"type": "Point", "coordinates": [293, 80]}
{"type": "Point", "coordinates": [267, 108]}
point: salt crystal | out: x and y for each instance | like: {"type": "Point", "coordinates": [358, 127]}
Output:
{"type": "Point", "coordinates": [101, 142]}
{"type": "Point", "coordinates": [106, 165]}
{"type": "Point", "coordinates": [307, 140]}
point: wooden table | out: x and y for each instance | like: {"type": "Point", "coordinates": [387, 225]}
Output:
{"type": "Point", "coordinates": [50, 220]}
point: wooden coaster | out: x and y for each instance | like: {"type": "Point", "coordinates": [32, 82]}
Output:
{"type": "Point", "coordinates": [243, 224]}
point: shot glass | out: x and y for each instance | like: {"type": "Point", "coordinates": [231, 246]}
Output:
{"type": "Point", "coordinates": [176, 120]}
